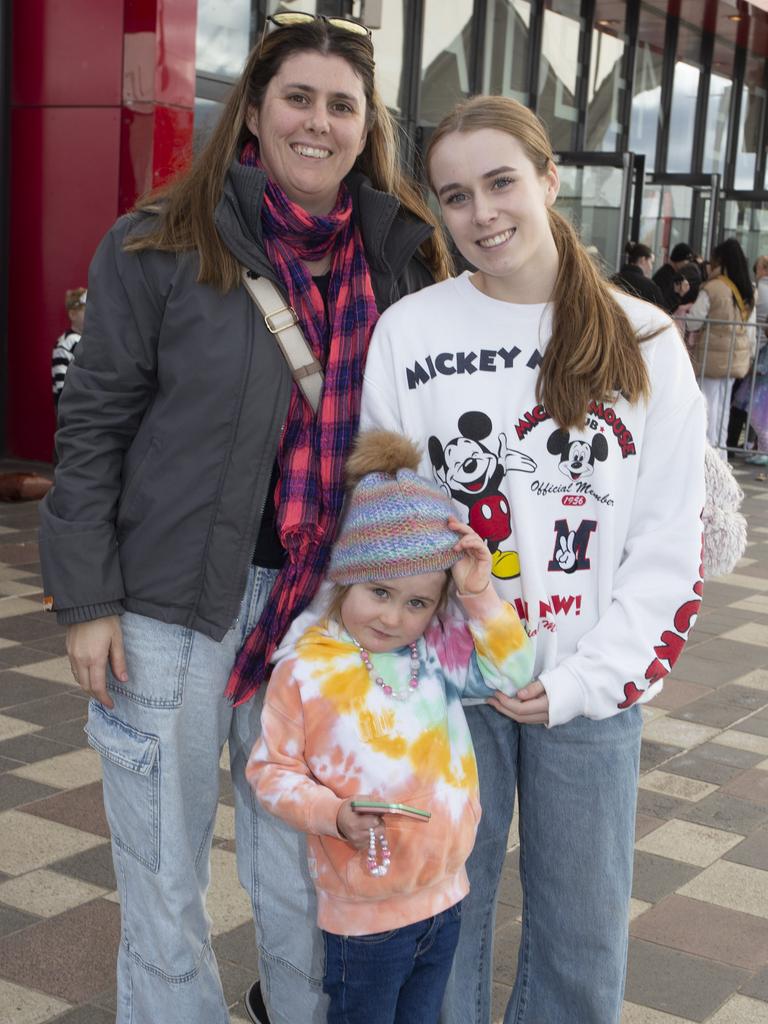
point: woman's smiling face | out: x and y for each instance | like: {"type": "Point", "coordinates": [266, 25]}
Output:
{"type": "Point", "coordinates": [311, 127]}
{"type": "Point", "coordinates": [494, 201]}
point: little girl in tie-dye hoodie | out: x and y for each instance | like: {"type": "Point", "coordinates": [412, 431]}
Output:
{"type": "Point", "coordinates": [366, 705]}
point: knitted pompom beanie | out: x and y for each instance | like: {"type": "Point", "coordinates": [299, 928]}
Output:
{"type": "Point", "coordinates": [396, 521]}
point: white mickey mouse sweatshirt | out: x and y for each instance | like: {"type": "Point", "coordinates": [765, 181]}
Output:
{"type": "Point", "coordinates": [595, 534]}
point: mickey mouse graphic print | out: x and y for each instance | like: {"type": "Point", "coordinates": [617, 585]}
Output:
{"type": "Point", "coordinates": [599, 554]}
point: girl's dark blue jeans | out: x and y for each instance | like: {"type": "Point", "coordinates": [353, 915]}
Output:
{"type": "Point", "coordinates": [395, 977]}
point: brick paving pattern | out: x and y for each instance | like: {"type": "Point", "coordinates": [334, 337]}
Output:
{"type": "Point", "coordinates": [699, 933]}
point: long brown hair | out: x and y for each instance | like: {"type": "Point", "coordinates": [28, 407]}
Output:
{"type": "Point", "coordinates": [186, 205]}
{"type": "Point", "coordinates": [593, 352]}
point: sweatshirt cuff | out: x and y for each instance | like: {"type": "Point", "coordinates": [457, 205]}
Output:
{"type": "Point", "coordinates": [88, 612]}
{"type": "Point", "coordinates": [483, 606]}
{"type": "Point", "coordinates": [565, 693]}
{"type": "Point", "coordinates": [323, 812]}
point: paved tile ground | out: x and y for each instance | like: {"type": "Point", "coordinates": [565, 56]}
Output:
{"type": "Point", "coordinates": [699, 935]}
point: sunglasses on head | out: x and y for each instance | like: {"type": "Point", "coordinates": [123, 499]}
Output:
{"type": "Point", "coordinates": [290, 19]}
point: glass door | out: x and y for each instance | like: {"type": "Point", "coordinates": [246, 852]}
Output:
{"type": "Point", "coordinates": [745, 217]}
{"type": "Point", "coordinates": [679, 208]}
{"type": "Point", "coordinates": [595, 193]}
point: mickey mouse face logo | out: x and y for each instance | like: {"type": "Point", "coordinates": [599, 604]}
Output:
{"type": "Point", "coordinates": [577, 458]}
{"type": "Point", "coordinates": [468, 466]}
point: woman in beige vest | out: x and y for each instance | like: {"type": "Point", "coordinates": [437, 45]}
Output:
{"type": "Point", "coordinates": [723, 343]}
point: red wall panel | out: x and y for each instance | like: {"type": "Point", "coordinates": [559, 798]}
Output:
{"type": "Point", "coordinates": [67, 52]}
{"type": "Point", "coordinates": [64, 174]}
{"type": "Point", "coordinates": [102, 110]}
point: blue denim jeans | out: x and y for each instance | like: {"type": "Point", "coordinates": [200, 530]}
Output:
{"type": "Point", "coordinates": [577, 791]}
{"type": "Point", "coordinates": [395, 977]}
{"type": "Point", "coordinates": [160, 748]}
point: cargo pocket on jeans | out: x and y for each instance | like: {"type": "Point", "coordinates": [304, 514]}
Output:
{"type": "Point", "coordinates": [131, 775]}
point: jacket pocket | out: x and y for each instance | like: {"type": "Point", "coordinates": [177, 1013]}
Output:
{"type": "Point", "coordinates": [131, 777]}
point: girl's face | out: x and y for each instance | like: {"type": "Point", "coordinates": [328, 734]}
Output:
{"type": "Point", "coordinates": [311, 127]}
{"type": "Point", "coordinates": [387, 614]}
{"type": "Point", "coordinates": [494, 203]}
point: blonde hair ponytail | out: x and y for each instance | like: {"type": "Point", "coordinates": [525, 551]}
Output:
{"type": "Point", "coordinates": [593, 353]}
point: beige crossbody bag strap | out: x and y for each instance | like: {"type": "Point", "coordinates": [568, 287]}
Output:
{"type": "Point", "coordinates": [282, 322]}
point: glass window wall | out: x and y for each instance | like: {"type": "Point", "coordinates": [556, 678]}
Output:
{"type": "Point", "coordinates": [685, 92]}
{"type": "Point", "coordinates": [666, 218]}
{"type": "Point", "coordinates": [223, 36]}
{"type": "Point", "coordinates": [560, 71]}
{"type": "Point", "coordinates": [646, 88]}
{"type": "Point", "coordinates": [591, 198]}
{"type": "Point", "coordinates": [507, 35]}
{"type": "Point", "coordinates": [716, 128]}
{"type": "Point", "coordinates": [719, 104]}
{"type": "Point", "coordinates": [748, 222]}
{"type": "Point", "coordinates": [605, 92]}
{"type": "Point", "coordinates": [388, 45]}
{"type": "Point", "coordinates": [445, 57]}
{"type": "Point", "coordinates": [751, 118]}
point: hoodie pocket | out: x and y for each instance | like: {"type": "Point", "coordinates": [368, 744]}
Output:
{"type": "Point", "coordinates": [422, 853]}
{"type": "Point", "coordinates": [131, 776]}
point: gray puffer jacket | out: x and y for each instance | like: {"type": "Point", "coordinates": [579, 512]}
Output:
{"type": "Point", "coordinates": [171, 415]}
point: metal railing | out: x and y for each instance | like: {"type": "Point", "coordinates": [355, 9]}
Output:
{"type": "Point", "coordinates": [698, 343]}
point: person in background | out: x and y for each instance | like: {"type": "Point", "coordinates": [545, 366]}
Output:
{"type": "Point", "coordinates": [753, 399]}
{"type": "Point", "coordinates": [64, 349]}
{"type": "Point", "coordinates": [761, 299]}
{"type": "Point", "coordinates": [722, 344]}
{"type": "Point", "coordinates": [676, 294]}
{"type": "Point", "coordinates": [635, 275]}
{"type": "Point", "coordinates": [685, 288]}
{"type": "Point", "coordinates": [198, 492]}
{"type": "Point", "coordinates": [692, 273]}
{"type": "Point", "coordinates": [681, 254]}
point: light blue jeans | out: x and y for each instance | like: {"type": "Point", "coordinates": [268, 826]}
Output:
{"type": "Point", "coordinates": [160, 748]}
{"type": "Point", "coordinates": [577, 792]}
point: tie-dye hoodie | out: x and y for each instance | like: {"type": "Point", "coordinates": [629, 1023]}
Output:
{"type": "Point", "coordinates": [329, 733]}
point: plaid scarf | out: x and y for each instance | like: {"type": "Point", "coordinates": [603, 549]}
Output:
{"type": "Point", "coordinates": [313, 449]}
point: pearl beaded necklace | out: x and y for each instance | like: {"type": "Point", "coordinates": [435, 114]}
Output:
{"type": "Point", "coordinates": [413, 682]}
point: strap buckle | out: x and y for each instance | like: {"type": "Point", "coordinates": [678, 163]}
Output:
{"type": "Point", "coordinates": [275, 328]}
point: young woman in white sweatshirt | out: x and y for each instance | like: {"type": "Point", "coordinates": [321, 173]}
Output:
{"type": "Point", "coordinates": [564, 420]}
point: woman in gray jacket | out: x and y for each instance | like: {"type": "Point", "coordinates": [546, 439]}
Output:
{"type": "Point", "coordinates": [197, 495]}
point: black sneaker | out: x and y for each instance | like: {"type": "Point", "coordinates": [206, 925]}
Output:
{"type": "Point", "coordinates": [253, 1002]}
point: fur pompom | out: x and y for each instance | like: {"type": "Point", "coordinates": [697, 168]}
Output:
{"type": "Point", "coordinates": [725, 537]}
{"type": "Point", "coordinates": [380, 451]}
{"type": "Point", "coordinates": [725, 528]}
